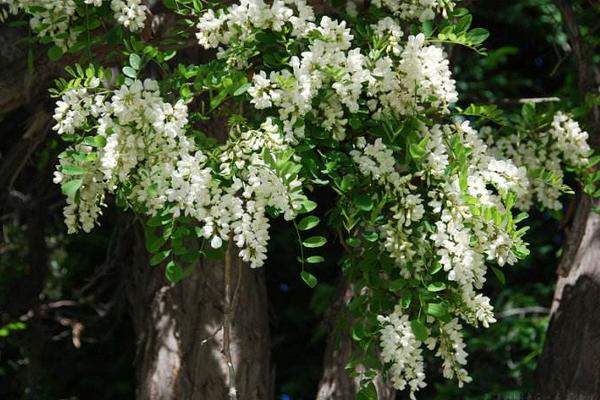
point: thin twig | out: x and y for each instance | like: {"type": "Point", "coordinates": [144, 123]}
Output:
{"type": "Point", "coordinates": [524, 311]}
{"type": "Point", "coordinates": [227, 324]}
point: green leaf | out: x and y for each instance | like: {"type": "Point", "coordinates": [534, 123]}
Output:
{"type": "Point", "coordinates": [416, 151]}
{"type": "Point", "coordinates": [242, 89]}
{"type": "Point", "coordinates": [173, 272]}
{"type": "Point", "coordinates": [436, 286]}
{"type": "Point", "coordinates": [315, 259]}
{"type": "Point", "coordinates": [154, 244]}
{"type": "Point", "coordinates": [314, 241]}
{"type": "Point", "coordinates": [170, 4]}
{"type": "Point", "coordinates": [307, 206]}
{"type": "Point", "coordinates": [346, 183]}
{"type": "Point", "coordinates": [419, 329]}
{"type": "Point", "coordinates": [308, 223]}
{"type": "Point", "coordinates": [371, 236]}
{"type": "Point", "coordinates": [437, 310]}
{"type": "Point", "coordinates": [436, 268]}
{"type": "Point", "coordinates": [368, 392]}
{"type": "Point", "coordinates": [406, 299]}
{"type": "Point", "coordinates": [72, 186]}
{"type": "Point", "coordinates": [130, 72]}
{"type": "Point", "coordinates": [397, 284]}
{"type": "Point", "coordinates": [73, 170]}
{"type": "Point", "coordinates": [55, 53]}
{"type": "Point", "coordinates": [478, 35]}
{"type": "Point", "coordinates": [363, 202]}
{"type": "Point", "coordinates": [135, 61]}
{"type": "Point", "coordinates": [160, 257]}
{"type": "Point", "coordinates": [95, 141]}
{"type": "Point", "coordinates": [309, 279]}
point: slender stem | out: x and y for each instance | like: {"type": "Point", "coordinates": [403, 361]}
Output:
{"type": "Point", "coordinates": [299, 242]}
{"type": "Point", "coordinates": [227, 324]}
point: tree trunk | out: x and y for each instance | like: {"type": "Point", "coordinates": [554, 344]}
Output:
{"type": "Point", "coordinates": [336, 383]}
{"type": "Point", "coordinates": [186, 348]}
{"type": "Point", "coordinates": [569, 367]}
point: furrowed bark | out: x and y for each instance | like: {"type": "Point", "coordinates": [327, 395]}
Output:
{"type": "Point", "coordinates": [184, 348]}
{"type": "Point", "coordinates": [336, 383]}
{"type": "Point", "coordinates": [569, 367]}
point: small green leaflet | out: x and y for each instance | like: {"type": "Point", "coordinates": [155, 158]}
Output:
{"type": "Point", "coordinates": [419, 329]}
{"type": "Point", "coordinates": [55, 53]}
{"type": "Point", "coordinates": [308, 223]}
{"type": "Point", "coordinates": [173, 272]}
{"type": "Point", "coordinates": [436, 286]}
{"type": "Point", "coordinates": [73, 170]}
{"type": "Point", "coordinates": [309, 279]}
{"type": "Point", "coordinates": [363, 202]}
{"type": "Point", "coordinates": [71, 187]}
{"type": "Point", "coordinates": [135, 61]}
{"type": "Point", "coordinates": [314, 241]}
{"type": "Point", "coordinates": [242, 89]}
{"type": "Point", "coordinates": [130, 72]}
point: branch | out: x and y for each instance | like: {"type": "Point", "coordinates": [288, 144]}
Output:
{"type": "Point", "coordinates": [524, 311]}
{"type": "Point", "coordinates": [227, 323]}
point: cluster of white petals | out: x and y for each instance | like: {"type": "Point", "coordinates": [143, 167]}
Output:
{"type": "Point", "coordinates": [451, 349]}
{"type": "Point", "coordinates": [53, 18]}
{"type": "Point", "coordinates": [240, 21]}
{"type": "Point", "coordinates": [544, 155]}
{"type": "Point", "coordinates": [423, 10]}
{"type": "Point", "coordinates": [146, 148]}
{"type": "Point", "coordinates": [412, 78]}
{"type": "Point", "coordinates": [402, 350]}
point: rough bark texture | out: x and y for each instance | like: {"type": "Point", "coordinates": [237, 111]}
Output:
{"type": "Point", "coordinates": [181, 352]}
{"type": "Point", "coordinates": [336, 383]}
{"type": "Point", "coordinates": [569, 367]}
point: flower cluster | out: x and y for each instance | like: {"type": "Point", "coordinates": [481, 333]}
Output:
{"type": "Point", "coordinates": [423, 10]}
{"type": "Point", "coordinates": [54, 19]}
{"type": "Point", "coordinates": [461, 199]}
{"type": "Point", "coordinates": [240, 21]}
{"type": "Point", "coordinates": [401, 349]}
{"type": "Point", "coordinates": [142, 145]}
{"type": "Point", "coordinates": [451, 349]}
{"type": "Point", "coordinates": [544, 155]}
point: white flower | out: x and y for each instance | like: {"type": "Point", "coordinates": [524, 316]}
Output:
{"type": "Point", "coordinates": [402, 350]}
{"type": "Point", "coordinates": [129, 13]}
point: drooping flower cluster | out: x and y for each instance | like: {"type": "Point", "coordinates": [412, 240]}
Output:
{"type": "Point", "coordinates": [451, 348]}
{"type": "Point", "coordinates": [240, 21]}
{"type": "Point", "coordinates": [54, 19]}
{"type": "Point", "coordinates": [401, 349]}
{"type": "Point", "coordinates": [420, 79]}
{"type": "Point", "coordinates": [456, 197]}
{"type": "Point", "coordinates": [331, 68]}
{"type": "Point", "coordinates": [423, 10]}
{"type": "Point", "coordinates": [142, 145]}
{"type": "Point", "coordinates": [545, 155]}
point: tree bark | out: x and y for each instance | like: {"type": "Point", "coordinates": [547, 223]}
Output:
{"type": "Point", "coordinates": [336, 383]}
{"type": "Point", "coordinates": [569, 367]}
{"type": "Point", "coordinates": [183, 349]}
